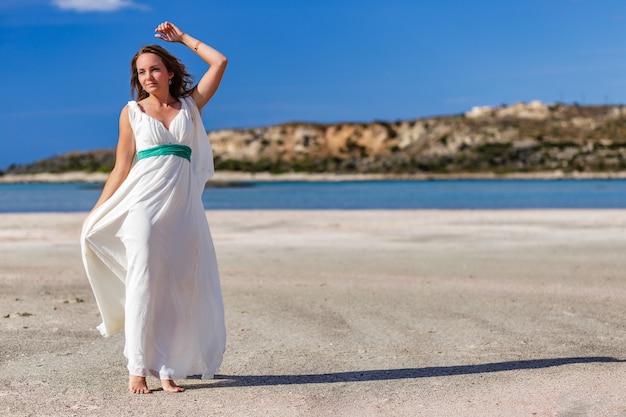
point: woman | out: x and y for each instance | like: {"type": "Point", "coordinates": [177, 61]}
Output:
{"type": "Point", "coordinates": [146, 244]}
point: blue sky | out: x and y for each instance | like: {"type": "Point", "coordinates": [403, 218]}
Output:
{"type": "Point", "coordinates": [64, 76]}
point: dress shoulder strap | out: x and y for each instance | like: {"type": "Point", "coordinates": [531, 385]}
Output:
{"type": "Point", "coordinates": [133, 108]}
{"type": "Point", "coordinates": [192, 107]}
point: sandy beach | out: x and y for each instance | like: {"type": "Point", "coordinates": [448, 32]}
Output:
{"type": "Point", "coordinates": [345, 313]}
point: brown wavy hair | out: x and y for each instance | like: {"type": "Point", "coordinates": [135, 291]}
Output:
{"type": "Point", "coordinates": [182, 82]}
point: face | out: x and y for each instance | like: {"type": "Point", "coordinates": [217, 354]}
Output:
{"type": "Point", "coordinates": [152, 73]}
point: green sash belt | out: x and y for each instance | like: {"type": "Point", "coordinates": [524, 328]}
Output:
{"type": "Point", "coordinates": [166, 149]}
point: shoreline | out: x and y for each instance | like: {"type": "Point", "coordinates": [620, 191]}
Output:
{"type": "Point", "coordinates": [234, 176]}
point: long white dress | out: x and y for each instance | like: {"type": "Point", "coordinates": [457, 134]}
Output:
{"type": "Point", "coordinates": [149, 256]}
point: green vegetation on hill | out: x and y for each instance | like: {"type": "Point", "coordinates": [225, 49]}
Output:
{"type": "Point", "coordinates": [92, 161]}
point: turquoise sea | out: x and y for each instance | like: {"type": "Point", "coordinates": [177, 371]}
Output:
{"type": "Point", "coordinates": [350, 195]}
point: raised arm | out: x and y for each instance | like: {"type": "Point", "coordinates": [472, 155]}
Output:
{"type": "Point", "coordinates": [206, 87]}
{"type": "Point", "coordinates": [124, 155]}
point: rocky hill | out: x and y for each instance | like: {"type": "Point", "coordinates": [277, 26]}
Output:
{"type": "Point", "coordinates": [524, 138]}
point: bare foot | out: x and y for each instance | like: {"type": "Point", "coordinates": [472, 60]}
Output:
{"type": "Point", "coordinates": [170, 386]}
{"type": "Point", "coordinates": [137, 385]}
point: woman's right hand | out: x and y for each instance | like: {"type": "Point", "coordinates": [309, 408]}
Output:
{"type": "Point", "coordinates": [169, 32]}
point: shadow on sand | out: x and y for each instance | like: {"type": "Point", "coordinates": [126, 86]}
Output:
{"type": "Point", "coordinates": [392, 374]}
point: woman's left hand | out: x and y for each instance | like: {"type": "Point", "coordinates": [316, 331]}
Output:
{"type": "Point", "coordinates": [169, 32]}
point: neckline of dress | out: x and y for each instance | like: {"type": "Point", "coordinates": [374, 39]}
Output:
{"type": "Point", "coordinates": [182, 103]}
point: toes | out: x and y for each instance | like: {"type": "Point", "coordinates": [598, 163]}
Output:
{"type": "Point", "coordinates": [170, 386]}
{"type": "Point", "coordinates": [137, 385]}
{"type": "Point", "coordinates": [140, 391]}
